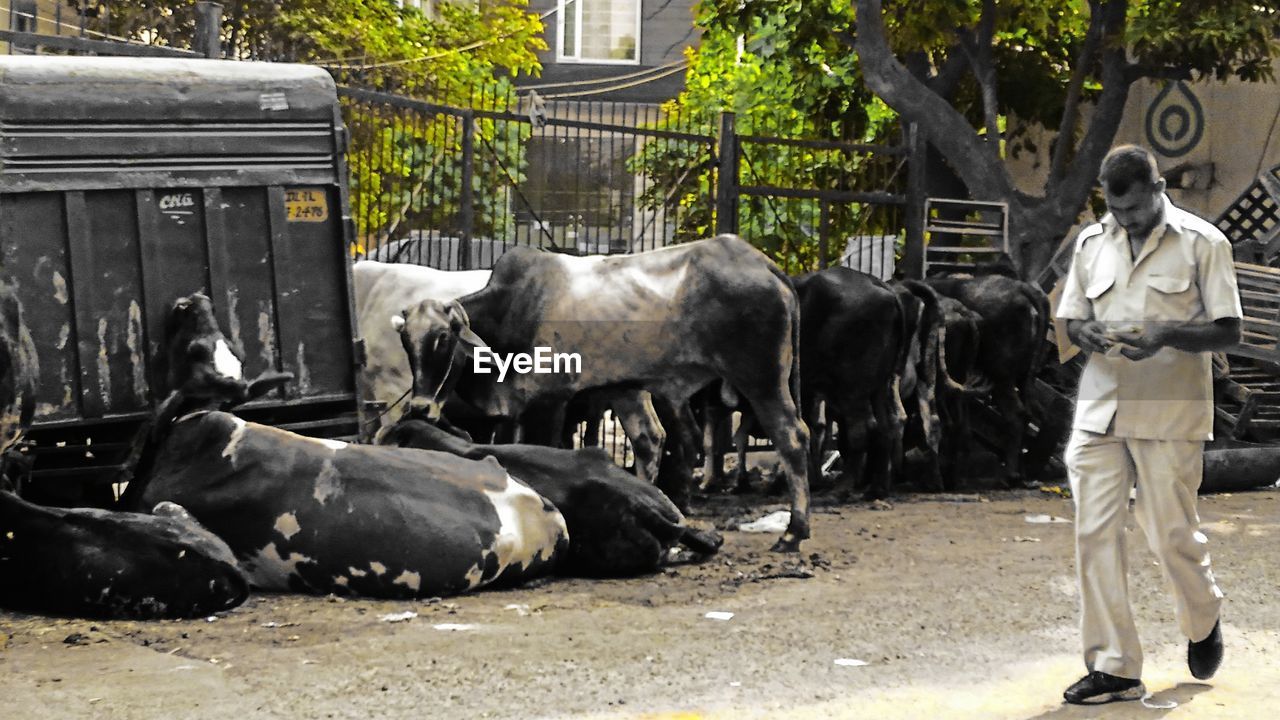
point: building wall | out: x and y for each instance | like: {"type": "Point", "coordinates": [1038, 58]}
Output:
{"type": "Point", "coordinates": [1234, 127]}
{"type": "Point", "coordinates": [666, 29]}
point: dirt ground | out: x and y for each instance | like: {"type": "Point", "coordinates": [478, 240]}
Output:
{"type": "Point", "coordinates": [934, 606]}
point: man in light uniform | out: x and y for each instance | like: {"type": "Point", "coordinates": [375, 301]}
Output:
{"type": "Point", "coordinates": [1150, 294]}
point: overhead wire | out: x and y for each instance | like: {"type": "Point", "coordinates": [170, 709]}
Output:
{"type": "Point", "coordinates": [597, 81]}
{"type": "Point", "coordinates": [614, 88]}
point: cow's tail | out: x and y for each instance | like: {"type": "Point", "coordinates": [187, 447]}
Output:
{"type": "Point", "coordinates": [931, 335]}
{"type": "Point", "coordinates": [904, 357]}
{"type": "Point", "coordinates": [1039, 326]}
{"type": "Point", "coordinates": [795, 332]}
{"type": "Point", "coordinates": [936, 359]}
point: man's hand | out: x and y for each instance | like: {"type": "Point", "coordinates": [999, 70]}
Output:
{"type": "Point", "coordinates": [1142, 343]}
{"type": "Point", "coordinates": [1090, 335]}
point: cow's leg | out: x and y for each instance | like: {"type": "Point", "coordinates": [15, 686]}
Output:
{"type": "Point", "coordinates": [819, 430]}
{"type": "Point", "coordinates": [885, 439]}
{"type": "Point", "coordinates": [962, 440]}
{"type": "Point", "coordinates": [634, 410]}
{"type": "Point", "coordinates": [741, 436]}
{"type": "Point", "coordinates": [1014, 414]}
{"type": "Point", "coordinates": [855, 428]}
{"type": "Point", "coordinates": [712, 451]}
{"type": "Point", "coordinates": [591, 431]}
{"type": "Point", "coordinates": [780, 418]}
{"type": "Point", "coordinates": [675, 476]}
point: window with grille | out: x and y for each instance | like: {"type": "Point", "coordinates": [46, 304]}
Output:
{"type": "Point", "coordinates": [22, 15]}
{"type": "Point", "coordinates": [598, 31]}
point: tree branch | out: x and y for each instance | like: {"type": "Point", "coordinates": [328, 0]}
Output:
{"type": "Point", "coordinates": [943, 125]}
{"type": "Point", "coordinates": [977, 48]}
{"type": "Point", "coordinates": [1071, 107]}
{"type": "Point", "coordinates": [1079, 178]}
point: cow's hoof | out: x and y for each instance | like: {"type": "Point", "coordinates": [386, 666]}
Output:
{"type": "Point", "coordinates": [786, 544]}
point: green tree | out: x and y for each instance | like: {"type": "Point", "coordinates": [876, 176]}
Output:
{"type": "Point", "coordinates": [973, 74]}
{"type": "Point", "coordinates": [404, 169]}
{"type": "Point", "coordinates": [784, 81]}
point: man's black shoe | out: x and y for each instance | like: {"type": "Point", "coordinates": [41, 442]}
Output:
{"type": "Point", "coordinates": [1204, 656]}
{"type": "Point", "coordinates": [1099, 687]}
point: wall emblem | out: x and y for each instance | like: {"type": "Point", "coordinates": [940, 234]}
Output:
{"type": "Point", "coordinates": [1175, 121]}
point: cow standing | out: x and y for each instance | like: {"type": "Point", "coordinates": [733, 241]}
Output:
{"type": "Point", "coordinates": [1012, 326]}
{"type": "Point", "coordinates": [853, 340]}
{"type": "Point", "coordinates": [383, 290]}
{"type": "Point", "coordinates": [668, 321]}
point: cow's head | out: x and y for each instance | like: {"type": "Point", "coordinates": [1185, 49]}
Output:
{"type": "Point", "coordinates": [202, 366]}
{"type": "Point", "coordinates": [437, 337]}
{"type": "Point", "coordinates": [203, 373]}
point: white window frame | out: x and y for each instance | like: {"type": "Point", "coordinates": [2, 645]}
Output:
{"type": "Point", "coordinates": [577, 40]}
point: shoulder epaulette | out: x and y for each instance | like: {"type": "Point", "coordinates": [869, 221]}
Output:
{"type": "Point", "coordinates": [1202, 227]}
{"type": "Point", "coordinates": [1090, 231]}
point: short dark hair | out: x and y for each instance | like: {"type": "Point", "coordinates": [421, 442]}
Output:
{"type": "Point", "coordinates": [1127, 165]}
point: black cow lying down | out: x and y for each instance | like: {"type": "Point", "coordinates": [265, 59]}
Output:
{"type": "Point", "coordinates": [98, 563]}
{"type": "Point", "coordinates": [93, 562]}
{"type": "Point", "coordinates": [618, 524]}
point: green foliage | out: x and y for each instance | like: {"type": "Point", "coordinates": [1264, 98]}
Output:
{"type": "Point", "coordinates": [797, 74]}
{"type": "Point", "coordinates": [790, 81]}
{"type": "Point", "coordinates": [404, 166]}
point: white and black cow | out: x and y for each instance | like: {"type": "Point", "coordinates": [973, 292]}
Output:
{"type": "Point", "coordinates": [92, 562]}
{"type": "Point", "coordinates": [669, 321]}
{"type": "Point", "coordinates": [618, 525]}
{"type": "Point", "coordinates": [383, 290]}
{"type": "Point", "coordinates": [325, 516]}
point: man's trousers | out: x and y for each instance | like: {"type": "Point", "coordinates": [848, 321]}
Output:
{"type": "Point", "coordinates": [1167, 474]}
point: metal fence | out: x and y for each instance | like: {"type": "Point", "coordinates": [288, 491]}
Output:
{"type": "Point", "coordinates": [176, 29]}
{"type": "Point", "coordinates": [814, 203]}
{"type": "Point", "coordinates": [453, 187]}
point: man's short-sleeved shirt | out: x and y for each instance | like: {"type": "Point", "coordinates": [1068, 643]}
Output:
{"type": "Point", "coordinates": [1183, 273]}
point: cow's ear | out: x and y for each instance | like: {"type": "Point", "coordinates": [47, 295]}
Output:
{"type": "Point", "coordinates": [470, 340]}
{"type": "Point", "coordinates": [397, 323]}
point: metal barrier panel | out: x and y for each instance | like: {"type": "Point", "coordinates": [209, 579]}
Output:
{"type": "Point", "coordinates": [127, 183]}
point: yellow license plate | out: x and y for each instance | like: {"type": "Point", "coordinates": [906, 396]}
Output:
{"type": "Point", "coordinates": [306, 205]}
